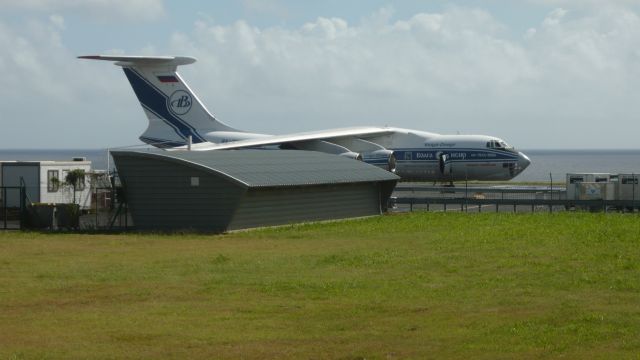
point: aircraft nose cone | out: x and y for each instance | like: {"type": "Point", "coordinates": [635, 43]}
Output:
{"type": "Point", "coordinates": [523, 161]}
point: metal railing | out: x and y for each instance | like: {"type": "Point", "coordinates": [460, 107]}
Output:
{"type": "Point", "coordinates": [409, 197]}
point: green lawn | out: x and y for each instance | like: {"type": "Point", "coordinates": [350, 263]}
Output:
{"type": "Point", "coordinates": [421, 285]}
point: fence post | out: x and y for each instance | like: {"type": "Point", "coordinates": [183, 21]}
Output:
{"type": "Point", "coordinates": [4, 205]}
{"type": "Point", "coordinates": [22, 214]}
{"type": "Point", "coordinates": [466, 191]}
{"type": "Point", "coordinates": [633, 192]}
{"type": "Point", "coordinates": [550, 192]}
{"type": "Point", "coordinates": [96, 192]}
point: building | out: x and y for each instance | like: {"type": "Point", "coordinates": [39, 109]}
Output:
{"type": "Point", "coordinates": [44, 181]}
{"type": "Point", "coordinates": [237, 189]}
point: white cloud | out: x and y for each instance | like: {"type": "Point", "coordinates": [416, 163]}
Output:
{"type": "Point", "coordinates": [48, 98]}
{"type": "Point", "coordinates": [454, 70]}
{"type": "Point", "coordinates": [133, 10]}
{"type": "Point", "coordinates": [586, 3]}
{"type": "Point", "coordinates": [554, 17]}
{"type": "Point", "coordinates": [57, 21]}
{"type": "Point", "coordinates": [571, 81]}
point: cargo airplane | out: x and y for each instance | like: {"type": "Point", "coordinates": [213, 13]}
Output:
{"type": "Point", "coordinates": [179, 120]}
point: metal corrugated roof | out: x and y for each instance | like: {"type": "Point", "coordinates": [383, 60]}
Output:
{"type": "Point", "coordinates": [264, 168]}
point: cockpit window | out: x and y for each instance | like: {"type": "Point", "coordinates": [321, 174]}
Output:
{"type": "Point", "coordinates": [500, 145]}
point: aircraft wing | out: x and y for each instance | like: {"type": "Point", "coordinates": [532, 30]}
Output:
{"type": "Point", "coordinates": [325, 135]}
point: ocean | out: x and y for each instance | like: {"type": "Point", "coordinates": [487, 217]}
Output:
{"type": "Point", "coordinates": [543, 162]}
{"type": "Point", "coordinates": [560, 162]}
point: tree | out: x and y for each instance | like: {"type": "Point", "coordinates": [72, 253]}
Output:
{"type": "Point", "coordinates": [75, 179]}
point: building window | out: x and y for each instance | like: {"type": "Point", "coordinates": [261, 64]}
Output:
{"type": "Point", "coordinates": [53, 180]}
{"type": "Point", "coordinates": [195, 181]}
{"type": "Point", "coordinates": [573, 180]}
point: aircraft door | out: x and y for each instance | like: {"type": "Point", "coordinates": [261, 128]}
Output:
{"type": "Point", "coordinates": [445, 164]}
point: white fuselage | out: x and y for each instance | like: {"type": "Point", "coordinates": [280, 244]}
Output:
{"type": "Point", "coordinates": [424, 156]}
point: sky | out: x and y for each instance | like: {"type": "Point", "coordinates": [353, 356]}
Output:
{"type": "Point", "coordinates": [541, 74]}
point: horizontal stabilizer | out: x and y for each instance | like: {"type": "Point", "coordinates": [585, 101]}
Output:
{"type": "Point", "coordinates": [143, 60]}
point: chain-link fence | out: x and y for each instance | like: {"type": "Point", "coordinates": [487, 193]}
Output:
{"type": "Point", "coordinates": [104, 208]}
{"type": "Point", "coordinates": [12, 205]}
{"type": "Point", "coordinates": [411, 197]}
{"type": "Point", "coordinates": [108, 210]}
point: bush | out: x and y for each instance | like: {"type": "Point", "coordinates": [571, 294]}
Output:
{"type": "Point", "coordinates": [39, 216]}
{"type": "Point", "coordinates": [68, 216]}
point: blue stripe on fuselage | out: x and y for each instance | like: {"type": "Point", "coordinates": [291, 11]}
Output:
{"type": "Point", "coordinates": [156, 101]}
{"type": "Point", "coordinates": [454, 155]}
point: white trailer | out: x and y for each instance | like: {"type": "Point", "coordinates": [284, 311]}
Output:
{"type": "Point", "coordinates": [44, 181]}
{"type": "Point", "coordinates": [596, 191]}
{"type": "Point", "coordinates": [627, 187]}
{"type": "Point", "coordinates": [575, 179]}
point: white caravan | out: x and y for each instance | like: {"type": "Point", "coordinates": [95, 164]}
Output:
{"type": "Point", "coordinates": [43, 182]}
{"type": "Point", "coordinates": [178, 120]}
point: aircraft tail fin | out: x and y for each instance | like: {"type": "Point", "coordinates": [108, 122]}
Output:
{"type": "Point", "coordinates": [174, 112]}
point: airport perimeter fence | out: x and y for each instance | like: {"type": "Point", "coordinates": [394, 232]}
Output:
{"type": "Point", "coordinates": [12, 206]}
{"type": "Point", "coordinates": [411, 197]}
{"type": "Point", "coordinates": [107, 211]}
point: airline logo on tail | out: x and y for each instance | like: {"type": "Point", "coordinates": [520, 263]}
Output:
{"type": "Point", "coordinates": [180, 102]}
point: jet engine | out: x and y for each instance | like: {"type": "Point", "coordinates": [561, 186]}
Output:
{"type": "Point", "coordinates": [383, 158]}
{"type": "Point", "coordinates": [352, 155]}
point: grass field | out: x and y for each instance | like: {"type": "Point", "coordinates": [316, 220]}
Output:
{"type": "Point", "coordinates": [421, 285]}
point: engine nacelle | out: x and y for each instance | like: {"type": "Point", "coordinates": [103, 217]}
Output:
{"type": "Point", "coordinates": [383, 158]}
{"type": "Point", "coordinates": [352, 155]}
